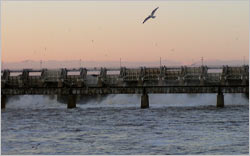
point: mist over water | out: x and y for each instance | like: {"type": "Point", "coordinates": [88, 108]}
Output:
{"type": "Point", "coordinates": [125, 100]}
{"type": "Point", "coordinates": [115, 124]}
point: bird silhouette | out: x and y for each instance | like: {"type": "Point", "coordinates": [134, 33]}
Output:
{"type": "Point", "coordinates": [150, 16]}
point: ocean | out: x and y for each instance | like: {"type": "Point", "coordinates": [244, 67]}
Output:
{"type": "Point", "coordinates": [175, 124]}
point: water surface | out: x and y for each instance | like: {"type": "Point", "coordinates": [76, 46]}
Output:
{"type": "Point", "coordinates": [117, 125]}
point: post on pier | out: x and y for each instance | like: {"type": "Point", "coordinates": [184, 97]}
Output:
{"type": "Point", "coordinates": [3, 101]}
{"type": "Point", "coordinates": [71, 101]}
{"type": "Point", "coordinates": [144, 100]}
{"type": "Point", "coordinates": [220, 99]}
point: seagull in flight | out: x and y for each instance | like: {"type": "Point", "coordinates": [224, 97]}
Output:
{"type": "Point", "coordinates": [150, 16]}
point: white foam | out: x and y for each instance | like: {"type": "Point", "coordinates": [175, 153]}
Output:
{"type": "Point", "coordinates": [33, 102]}
{"type": "Point", "coordinates": [133, 100]}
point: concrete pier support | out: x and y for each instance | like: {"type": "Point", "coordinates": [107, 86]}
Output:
{"type": "Point", "coordinates": [144, 101]}
{"type": "Point", "coordinates": [71, 101]}
{"type": "Point", "coordinates": [220, 100]}
{"type": "Point", "coordinates": [3, 101]}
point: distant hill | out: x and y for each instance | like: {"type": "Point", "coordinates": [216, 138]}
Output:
{"type": "Point", "coordinates": [77, 63]}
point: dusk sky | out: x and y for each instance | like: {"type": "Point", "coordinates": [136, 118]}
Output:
{"type": "Point", "coordinates": [106, 31]}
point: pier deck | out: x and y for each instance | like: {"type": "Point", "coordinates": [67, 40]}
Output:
{"type": "Point", "coordinates": [143, 80]}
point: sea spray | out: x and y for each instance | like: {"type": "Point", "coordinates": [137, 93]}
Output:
{"type": "Point", "coordinates": [124, 100]}
{"type": "Point", "coordinates": [33, 102]}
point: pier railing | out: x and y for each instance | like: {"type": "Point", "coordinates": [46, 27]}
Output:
{"type": "Point", "coordinates": [143, 80]}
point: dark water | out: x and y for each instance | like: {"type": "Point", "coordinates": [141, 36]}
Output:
{"type": "Point", "coordinates": [117, 125]}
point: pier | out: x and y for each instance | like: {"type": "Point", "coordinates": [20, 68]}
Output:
{"type": "Point", "coordinates": [143, 80]}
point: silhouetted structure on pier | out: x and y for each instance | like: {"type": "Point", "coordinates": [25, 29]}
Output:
{"type": "Point", "coordinates": [94, 81]}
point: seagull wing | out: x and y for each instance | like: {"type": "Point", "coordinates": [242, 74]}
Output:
{"type": "Point", "coordinates": [146, 19]}
{"type": "Point", "coordinates": [153, 12]}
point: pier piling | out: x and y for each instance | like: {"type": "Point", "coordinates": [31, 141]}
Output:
{"type": "Point", "coordinates": [220, 100]}
{"type": "Point", "coordinates": [3, 101]}
{"type": "Point", "coordinates": [144, 101]}
{"type": "Point", "coordinates": [71, 101]}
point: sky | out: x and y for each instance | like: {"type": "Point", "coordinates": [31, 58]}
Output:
{"type": "Point", "coordinates": [182, 31]}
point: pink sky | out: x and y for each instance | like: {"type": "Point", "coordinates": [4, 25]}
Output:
{"type": "Point", "coordinates": [105, 31]}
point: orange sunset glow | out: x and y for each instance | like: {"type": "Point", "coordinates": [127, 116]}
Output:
{"type": "Point", "coordinates": [106, 31]}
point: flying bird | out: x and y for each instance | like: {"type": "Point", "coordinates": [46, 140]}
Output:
{"type": "Point", "coordinates": [150, 16]}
